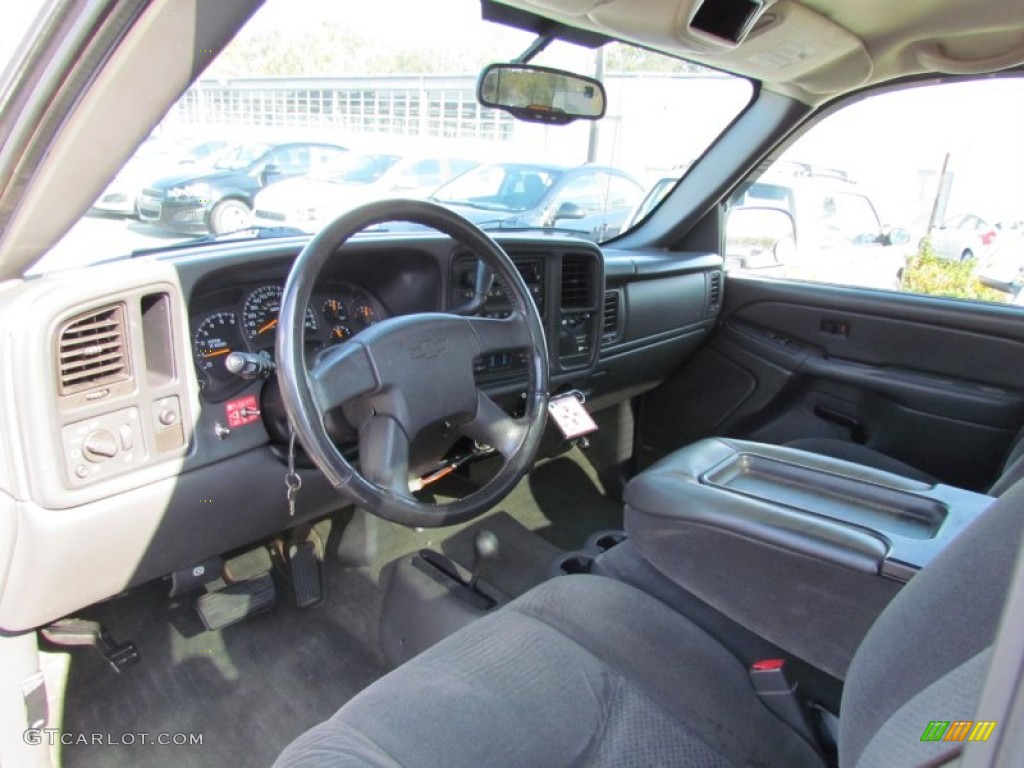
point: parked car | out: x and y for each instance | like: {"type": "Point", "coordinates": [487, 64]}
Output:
{"type": "Point", "coordinates": [963, 238]}
{"type": "Point", "coordinates": [219, 199]}
{"type": "Point", "coordinates": [809, 224]}
{"type": "Point", "coordinates": [309, 202]}
{"type": "Point", "coordinates": [156, 158]}
{"type": "Point", "coordinates": [590, 199]}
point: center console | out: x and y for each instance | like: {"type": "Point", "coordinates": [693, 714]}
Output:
{"type": "Point", "coordinates": [802, 549]}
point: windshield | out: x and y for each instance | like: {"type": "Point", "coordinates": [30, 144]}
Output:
{"type": "Point", "coordinates": [358, 169]}
{"type": "Point", "coordinates": [339, 91]}
{"type": "Point", "coordinates": [514, 188]}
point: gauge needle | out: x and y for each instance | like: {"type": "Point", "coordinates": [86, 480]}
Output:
{"type": "Point", "coordinates": [218, 353]}
{"type": "Point", "coordinates": [267, 327]}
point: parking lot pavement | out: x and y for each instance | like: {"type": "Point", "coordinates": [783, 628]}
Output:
{"type": "Point", "coordinates": [98, 237]}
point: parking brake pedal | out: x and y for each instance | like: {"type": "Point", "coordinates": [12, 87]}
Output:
{"type": "Point", "coordinates": [236, 601]}
{"type": "Point", "coordinates": [73, 632]}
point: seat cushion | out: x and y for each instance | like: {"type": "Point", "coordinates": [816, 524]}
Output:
{"type": "Point", "coordinates": [860, 454]}
{"type": "Point", "coordinates": [582, 670]}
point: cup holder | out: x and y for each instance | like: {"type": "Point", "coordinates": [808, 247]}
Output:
{"type": "Point", "coordinates": [572, 563]}
{"type": "Point", "coordinates": [602, 541]}
{"type": "Point", "coordinates": [582, 560]}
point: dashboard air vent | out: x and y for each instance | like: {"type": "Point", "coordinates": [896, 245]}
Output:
{"type": "Point", "coordinates": [714, 292]}
{"type": "Point", "coordinates": [610, 325]}
{"type": "Point", "coordinates": [576, 283]}
{"type": "Point", "coordinates": [93, 351]}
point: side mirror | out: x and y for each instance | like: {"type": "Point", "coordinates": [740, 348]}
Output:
{"type": "Point", "coordinates": [897, 236]}
{"type": "Point", "coordinates": [759, 238]}
{"type": "Point", "coordinates": [570, 211]}
{"type": "Point", "coordinates": [268, 172]}
{"type": "Point", "coordinates": [541, 94]}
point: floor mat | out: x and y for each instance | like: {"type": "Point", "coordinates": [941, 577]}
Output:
{"type": "Point", "coordinates": [523, 561]}
{"type": "Point", "coordinates": [246, 691]}
{"type": "Point", "coordinates": [251, 688]}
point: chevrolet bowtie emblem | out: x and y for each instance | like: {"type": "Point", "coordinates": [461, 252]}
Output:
{"type": "Point", "coordinates": [428, 348]}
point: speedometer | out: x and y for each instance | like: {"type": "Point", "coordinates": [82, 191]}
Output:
{"type": "Point", "coordinates": [260, 314]}
{"type": "Point", "coordinates": [216, 337]}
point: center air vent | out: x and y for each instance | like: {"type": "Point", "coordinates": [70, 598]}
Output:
{"type": "Point", "coordinates": [576, 283]}
{"type": "Point", "coordinates": [93, 351]}
{"type": "Point", "coordinates": [610, 325]}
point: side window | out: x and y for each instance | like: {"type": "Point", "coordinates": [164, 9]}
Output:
{"type": "Point", "coordinates": [848, 219]}
{"type": "Point", "coordinates": [623, 193]}
{"type": "Point", "coordinates": [895, 192]}
{"type": "Point", "coordinates": [291, 160]}
{"type": "Point", "coordinates": [322, 159]}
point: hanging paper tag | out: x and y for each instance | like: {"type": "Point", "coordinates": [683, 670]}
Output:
{"type": "Point", "coordinates": [570, 416]}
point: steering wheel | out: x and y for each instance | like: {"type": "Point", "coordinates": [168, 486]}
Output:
{"type": "Point", "coordinates": [406, 373]}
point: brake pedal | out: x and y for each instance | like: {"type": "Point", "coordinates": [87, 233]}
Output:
{"type": "Point", "coordinates": [304, 567]}
{"type": "Point", "coordinates": [80, 632]}
{"type": "Point", "coordinates": [236, 601]}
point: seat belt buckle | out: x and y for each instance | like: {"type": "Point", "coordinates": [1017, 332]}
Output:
{"type": "Point", "coordinates": [779, 693]}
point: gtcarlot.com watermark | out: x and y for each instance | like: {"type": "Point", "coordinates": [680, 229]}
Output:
{"type": "Point", "coordinates": [54, 736]}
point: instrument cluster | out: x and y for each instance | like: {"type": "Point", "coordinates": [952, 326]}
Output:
{"type": "Point", "coordinates": [336, 312]}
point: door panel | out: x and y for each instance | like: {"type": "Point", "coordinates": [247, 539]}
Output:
{"type": "Point", "coordinates": [933, 382]}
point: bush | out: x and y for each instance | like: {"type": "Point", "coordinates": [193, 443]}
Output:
{"type": "Point", "coordinates": [927, 273]}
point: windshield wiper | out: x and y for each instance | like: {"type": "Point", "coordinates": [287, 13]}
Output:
{"type": "Point", "coordinates": [258, 233]}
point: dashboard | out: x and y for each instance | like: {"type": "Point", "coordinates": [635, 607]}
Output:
{"type": "Point", "coordinates": [145, 452]}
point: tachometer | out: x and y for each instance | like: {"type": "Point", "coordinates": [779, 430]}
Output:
{"type": "Point", "coordinates": [217, 336]}
{"type": "Point", "coordinates": [260, 313]}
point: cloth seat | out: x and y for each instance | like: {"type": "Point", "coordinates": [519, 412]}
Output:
{"type": "Point", "coordinates": [587, 671]}
{"type": "Point", "coordinates": [1010, 472]}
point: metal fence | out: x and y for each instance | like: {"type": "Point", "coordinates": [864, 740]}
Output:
{"type": "Point", "coordinates": [442, 107]}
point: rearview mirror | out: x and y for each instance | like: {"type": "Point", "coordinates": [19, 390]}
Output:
{"type": "Point", "coordinates": [540, 94]}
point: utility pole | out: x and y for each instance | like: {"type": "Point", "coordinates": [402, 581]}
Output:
{"type": "Point", "coordinates": [599, 74]}
{"type": "Point", "coordinates": [941, 196]}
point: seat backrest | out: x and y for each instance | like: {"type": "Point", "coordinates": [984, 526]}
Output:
{"type": "Point", "coordinates": [1013, 466]}
{"type": "Point", "coordinates": [926, 657]}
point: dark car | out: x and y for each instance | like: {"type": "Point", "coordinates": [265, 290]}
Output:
{"type": "Point", "coordinates": [592, 199]}
{"type": "Point", "coordinates": [218, 199]}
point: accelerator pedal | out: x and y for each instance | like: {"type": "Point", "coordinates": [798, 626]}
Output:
{"type": "Point", "coordinates": [304, 569]}
{"type": "Point", "coordinates": [223, 607]}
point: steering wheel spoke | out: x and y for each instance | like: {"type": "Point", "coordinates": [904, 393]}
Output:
{"type": "Point", "coordinates": [493, 427]}
{"type": "Point", "coordinates": [494, 334]}
{"type": "Point", "coordinates": [341, 374]}
{"type": "Point", "coordinates": [384, 454]}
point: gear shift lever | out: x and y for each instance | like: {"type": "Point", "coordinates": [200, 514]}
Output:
{"type": "Point", "coordinates": [485, 548]}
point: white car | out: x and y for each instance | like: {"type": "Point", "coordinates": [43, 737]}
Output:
{"type": "Point", "coordinates": [309, 202]}
{"type": "Point", "coordinates": [963, 238]}
{"type": "Point", "coordinates": [813, 224]}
